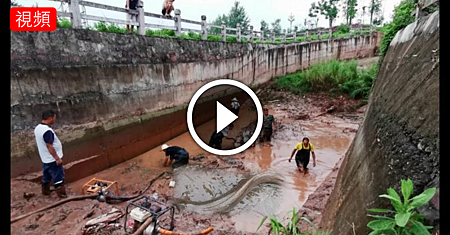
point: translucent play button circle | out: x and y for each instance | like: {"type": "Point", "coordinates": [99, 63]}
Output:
{"type": "Point", "coordinates": [224, 116]}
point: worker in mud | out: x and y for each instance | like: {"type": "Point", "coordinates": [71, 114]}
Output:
{"type": "Point", "coordinates": [269, 124]}
{"type": "Point", "coordinates": [303, 150]}
{"type": "Point", "coordinates": [216, 138]}
{"type": "Point", "coordinates": [175, 153]}
{"type": "Point", "coordinates": [50, 150]}
{"type": "Point", "coordinates": [235, 106]}
{"type": "Point", "coordinates": [167, 8]}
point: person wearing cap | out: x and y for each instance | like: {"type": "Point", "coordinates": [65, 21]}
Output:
{"type": "Point", "coordinates": [216, 138]}
{"type": "Point", "coordinates": [175, 153]}
{"type": "Point", "coordinates": [235, 106]}
{"type": "Point", "coordinates": [303, 149]}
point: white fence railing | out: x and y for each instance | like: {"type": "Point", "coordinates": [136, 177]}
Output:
{"type": "Point", "coordinates": [76, 17]}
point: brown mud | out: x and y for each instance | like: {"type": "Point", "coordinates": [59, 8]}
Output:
{"type": "Point", "coordinates": [330, 123]}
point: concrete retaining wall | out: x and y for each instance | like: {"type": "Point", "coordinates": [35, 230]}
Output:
{"type": "Point", "coordinates": [399, 138]}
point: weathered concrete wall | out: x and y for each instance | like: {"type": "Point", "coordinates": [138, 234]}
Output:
{"type": "Point", "coordinates": [399, 137]}
{"type": "Point", "coordinates": [102, 82]}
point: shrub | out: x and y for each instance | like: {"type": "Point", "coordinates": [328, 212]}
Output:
{"type": "Point", "coordinates": [63, 23]}
{"type": "Point", "coordinates": [404, 220]}
{"type": "Point", "coordinates": [342, 29]}
{"type": "Point", "coordinates": [402, 18]}
{"type": "Point", "coordinates": [277, 228]}
{"type": "Point", "coordinates": [111, 28]}
{"type": "Point", "coordinates": [334, 77]}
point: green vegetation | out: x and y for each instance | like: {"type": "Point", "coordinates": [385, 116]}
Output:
{"type": "Point", "coordinates": [112, 28]}
{"type": "Point", "coordinates": [277, 228]}
{"type": "Point", "coordinates": [63, 23]}
{"type": "Point", "coordinates": [236, 15]}
{"type": "Point", "coordinates": [404, 220]}
{"type": "Point", "coordinates": [402, 18]}
{"type": "Point", "coordinates": [350, 10]}
{"type": "Point", "coordinates": [327, 8]}
{"type": "Point", "coordinates": [333, 77]}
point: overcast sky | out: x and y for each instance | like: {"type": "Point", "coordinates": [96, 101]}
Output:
{"type": "Point", "coordinates": [257, 10]}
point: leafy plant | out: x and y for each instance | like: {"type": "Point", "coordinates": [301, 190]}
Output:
{"type": "Point", "coordinates": [111, 28]}
{"type": "Point", "coordinates": [402, 18]}
{"type": "Point", "coordinates": [334, 77]}
{"type": "Point", "coordinates": [277, 228]}
{"type": "Point", "coordinates": [404, 220]}
{"type": "Point", "coordinates": [63, 23]}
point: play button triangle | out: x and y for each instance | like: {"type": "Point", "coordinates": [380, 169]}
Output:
{"type": "Point", "coordinates": [223, 117]}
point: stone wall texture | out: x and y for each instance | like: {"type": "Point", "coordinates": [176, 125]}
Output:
{"type": "Point", "coordinates": [104, 84]}
{"type": "Point", "coordinates": [399, 137]}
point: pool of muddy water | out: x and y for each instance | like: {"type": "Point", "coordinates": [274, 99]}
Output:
{"type": "Point", "coordinates": [325, 133]}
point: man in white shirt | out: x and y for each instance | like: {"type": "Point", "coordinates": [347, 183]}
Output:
{"type": "Point", "coordinates": [50, 151]}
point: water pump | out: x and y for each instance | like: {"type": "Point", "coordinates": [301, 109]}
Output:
{"type": "Point", "coordinates": [144, 208]}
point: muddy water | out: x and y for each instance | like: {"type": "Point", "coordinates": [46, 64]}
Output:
{"type": "Point", "coordinates": [330, 144]}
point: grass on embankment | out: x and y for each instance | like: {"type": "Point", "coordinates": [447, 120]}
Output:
{"type": "Point", "coordinates": [335, 77]}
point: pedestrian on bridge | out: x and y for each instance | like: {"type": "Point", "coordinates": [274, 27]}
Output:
{"type": "Point", "coordinates": [175, 153]}
{"type": "Point", "coordinates": [302, 157]}
{"type": "Point", "coordinates": [50, 150]}
{"type": "Point", "coordinates": [167, 8]}
{"type": "Point", "coordinates": [131, 4]}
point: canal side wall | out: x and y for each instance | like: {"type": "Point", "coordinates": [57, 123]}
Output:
{"type": "Point", "coordinates": [399, 137]}
{"type": "Point", "coordinates": [120, 95]}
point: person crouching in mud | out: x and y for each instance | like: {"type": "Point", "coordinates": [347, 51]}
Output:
{"type": "Point", "coordinates": [302, 157]}
{"type": "Point", "coordinates": [216, 138]}
{"type": "Point", "coordinates": [179, 154]}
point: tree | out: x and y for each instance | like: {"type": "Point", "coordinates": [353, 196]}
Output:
{"type": "Point", "coordinates": [15, 4]}
{"type": "Point", "coordinates": [237, 15]}
{"type": "Point", "coordinates": [328, 8]}
{"type": "Point", "coordinates": [291, 19]}
{"type": "Point", "coordinates": [265, 27]}
{"type": "Point", "coordinates": [350, 10]}
{"type": "Point", "coordinates": [374, 9]}
{"type": "Point", "coordinates": [218, 22]}
{"type": "Point", "coordinates": [276, 26]}
{"type": "Point", "coordinates": [314, 13]}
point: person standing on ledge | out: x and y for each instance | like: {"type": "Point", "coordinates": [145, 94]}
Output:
{"type": "Point", "coordinates": [302, 157]}
{"type": "Point", "coordinates": [179, 154]}
{"type": "Point", "coordinates": [50, 151]}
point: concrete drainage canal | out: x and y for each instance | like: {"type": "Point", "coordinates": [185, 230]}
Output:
{"type": "Point", "coordinates": [231, 194]}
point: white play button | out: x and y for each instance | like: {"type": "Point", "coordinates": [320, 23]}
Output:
{"type": "Point", "coordinates": [224, 117]}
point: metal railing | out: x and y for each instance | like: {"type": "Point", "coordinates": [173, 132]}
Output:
{"type": "Point", "coordinates": [76, 16]}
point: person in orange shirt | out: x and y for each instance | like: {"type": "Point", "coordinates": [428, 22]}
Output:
{"type": "Point", "coordinates": [167, 7]}
{"type": "Point", "coordinates": [303, 150]}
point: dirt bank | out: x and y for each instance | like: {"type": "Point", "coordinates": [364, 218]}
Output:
{"type": "Point", "coordinates": [331, 124]}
